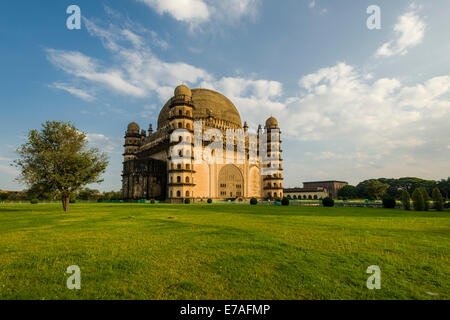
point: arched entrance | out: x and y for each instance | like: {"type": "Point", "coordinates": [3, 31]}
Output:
{"type": "Point", "coordinates": [231, 182]}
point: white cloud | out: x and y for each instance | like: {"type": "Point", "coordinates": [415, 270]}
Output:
{"type": "Point", "coordinates": [137, 71]}
{"type": "Point", "coordinates": [312, 4]}
{"type": "Point", "coordinates": [409, 32]}
{"type": "Point", "coordinates": [104, 143]}
{"type": "Point", "coordinates": [82, 94]}
{"type": "Point", "coordinates": [196, 12]}
{"type": "Point", "coordinates": [11, 171]}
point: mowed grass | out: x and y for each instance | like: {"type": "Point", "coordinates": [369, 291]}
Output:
{"type": "Point", "coordinates": [144, 251]}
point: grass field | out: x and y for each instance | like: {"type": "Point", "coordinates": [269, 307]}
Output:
{"type": "Point", "coordinates": [143, 251]}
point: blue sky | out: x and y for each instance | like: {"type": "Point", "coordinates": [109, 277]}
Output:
{"type": "Point", "coordinates": [352, 103]}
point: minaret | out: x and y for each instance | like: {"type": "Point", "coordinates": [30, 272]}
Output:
{"type": "Point", "coordinates": [132, 143]}
{"type": "Point", "coordinates": [180, 176]}
{"type": "Point", "coordinates": [273, 183]}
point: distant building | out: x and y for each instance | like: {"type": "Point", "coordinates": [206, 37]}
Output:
{"type": "Point", "coordinates": [332, 187]}
{"type": "Point", "coordinates": [306, 193]}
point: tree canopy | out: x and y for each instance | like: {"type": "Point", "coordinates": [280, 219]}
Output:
{"type": "Point", "coordinates": [57, 160]}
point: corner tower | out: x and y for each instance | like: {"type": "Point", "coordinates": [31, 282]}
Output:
{"type": "Point", "coordinates": [181, 170]}
{"type": "Point", "coordinates": [273, 182]}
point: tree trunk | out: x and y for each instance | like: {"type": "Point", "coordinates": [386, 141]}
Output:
{"type": "Point", "coordinates": [65, 203]}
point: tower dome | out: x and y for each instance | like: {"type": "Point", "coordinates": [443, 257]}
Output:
{"type": "Point", "coordinates": [183, 91]}
{"type": "Point", "coordinates": [272, 123]}
{"type": "Point", "coordinates": [133, 127]}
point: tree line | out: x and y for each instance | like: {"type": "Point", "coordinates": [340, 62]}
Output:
{"type": "Point", "coordinates": [375, 189]}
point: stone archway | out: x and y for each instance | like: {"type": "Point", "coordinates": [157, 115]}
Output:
{"type": "Point", "coordinates": [231, 182]}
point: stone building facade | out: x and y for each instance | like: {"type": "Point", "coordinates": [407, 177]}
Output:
{"type": "Point", "coordinates": [151, 171]}
{"type": "Point", "coordinates": [306, 193]}
{"type": "Point", "coordinates": [332, 187]}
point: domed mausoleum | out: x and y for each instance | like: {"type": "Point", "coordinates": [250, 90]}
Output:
{"type": "Point", "coordinates": [151, 171]}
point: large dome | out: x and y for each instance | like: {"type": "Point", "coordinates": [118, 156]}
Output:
{"type": "Point", "coordinates": [207, 102]}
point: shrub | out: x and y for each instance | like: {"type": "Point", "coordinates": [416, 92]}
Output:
{"type": "Point", "coordinates": [406, 200]}
{"type": "Point", "coordinates": [253, 201]}
{"type": "Point", "coordinates": [152, 201]}
{"type": "Point", "coordinates": [210, 200]}
{"type": "Point", "coordinates": [328, 202]}
{"type": "Point", "coordinates": [437, 200]}
{"type": "Point", "coordinates": [389, 203]}
{"type": "Point", "coordinates": [72, 200]}
{"type": "Point", "coordinates": [187, 201]}
{"type": "Point", "coordinates": [285, 201]}
{"type": "Point", "coordinates": [418, 201]}
{"type": "Point", "coordinates": [34, 201]}
{"type": "Point", "coordinates": [100, 200]}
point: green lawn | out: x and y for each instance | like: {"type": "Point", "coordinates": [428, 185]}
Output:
{"type": "Point", "coordinates": [144, 251]}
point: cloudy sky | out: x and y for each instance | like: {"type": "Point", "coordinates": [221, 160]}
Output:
{"type": "Point", "coordinates": [352, 103]}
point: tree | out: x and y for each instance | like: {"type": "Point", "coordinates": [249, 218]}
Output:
{"type": "Point", "coordinates": [349, 192]}
{"type": "Point", "coordinates": [389, 202]}
{"type": "Point", "coordinates": [444, 187]}
{"type": "Point", "coordinates": [253, 201]}
{"type": "Point", "coordinates": [437, 200]}
{"type": "Point", "coordinates": [376, 189]}
{"type": "Point", "coordinates": [418, 200]}
{"type": "Point", "coordinates": [88, 194]}
{"type": "Point", "coordinates": [57, 159]}
{"type": "Point", "coordinates": [285, 201]}
{"type": "Point", "coordinates": [406, 200]}
{"type": "Point", "coordinates": [426, 199]}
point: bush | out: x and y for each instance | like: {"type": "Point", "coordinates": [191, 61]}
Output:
{"type": "Point", "coordinates": [152, 201]}
{"type": "Point", "coordinates": [253, 201]}
{"type": "Point", "coordinates": [209, 200]}
{"type": "Point", "coordinates": [406, 200]}
{"type": "Point", "coordinates": [437, 200]}
{"type": "Point", "coordinates": [187, 201]}
{"type": "Point", "coordinates": [34, 201]}
{"type": "Point", "coordinates": [100, 200]}
{"type": "Point", "coordinates": [418, 201]}
{"type": "Point", "coordinates": [389, 203]}
{"type": "Point", "coordinates": [285, 201]}
{"type": "Point", "coordinates": [328, 202]}
{"type": "Point", "coordinates": [72, 200]}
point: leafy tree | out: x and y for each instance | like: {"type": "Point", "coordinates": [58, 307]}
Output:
{"type": "Point", "coordinates": [210, 200]}
{"type": "Point", "coordinates": [349, 192]}
{"type": "Point", "coordinates": [285, 201]}
{"type": "Point", "coordinates": [406, 200]}
{"type": "Point", "coordinates": [253, 201]}
{"type": "Point", "coordinates": [418, 201]}
{"type": "Point", "coordinates": [57, 158]}
{"type": "Point", "coordinates": [376, 189]}
{"type": "Point", "coordinates": [437, 199]}
{"type": "Point", "coordinates": [187, 201]}
{"type": "Point", "coordinates": [444, 187]}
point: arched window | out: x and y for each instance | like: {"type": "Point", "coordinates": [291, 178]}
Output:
{"type": "Point", "coordinates": [178, 194]}
{"type": "Point", "coordinates": [188, 166]}
{"type": "Point", "coordinates": [187, 179]}
{"type": "Point", "coordinates": [180, 112]}
{"type": "Point", "coordinates": [275, 194]}
{"type": "Point", "coordinates": [171, 193]}
{"type": "Point", "coordinates": [304, 197]}
{"type": "Point", "coordinates": [187, 193]}
{"type": "Point", "coordinates": [180, 138]}
{"type": "Point", "coordinates": [295, 197]}
{"type": "Point", "coordinates": [179, 166]}
{"type": "Point", "coordinates": [188, 126]}
{"type": "Point", "coordinates": [309, 197]}
{"type": "Point", "coordinates": [171, 179]}
{"type": "Point", "coordinates": [315, 197]}
{"type": "Point", "coordinates": [178, 179]}
{"type": "Point", "coordinates": [180, 125]}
